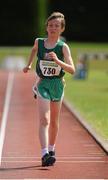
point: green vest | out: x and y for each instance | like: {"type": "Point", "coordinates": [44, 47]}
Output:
{"type": "Point", "coordinates": [48, 68]}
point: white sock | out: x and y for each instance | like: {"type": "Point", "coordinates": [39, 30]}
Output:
{"type": "Point", "coordinates": [51, 147]}
{"type": "Point", "coordinates": [44, 151]}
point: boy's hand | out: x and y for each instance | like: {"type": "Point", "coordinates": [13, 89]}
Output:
{"type": "Point", "coordinates": [52, 55]}
{"type": "Point", "coordinates": [26, 69]}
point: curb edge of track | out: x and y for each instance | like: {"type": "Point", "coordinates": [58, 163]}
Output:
{"type": "Point", "coordinates": [103, 143]}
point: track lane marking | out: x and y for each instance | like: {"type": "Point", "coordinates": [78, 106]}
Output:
{"type": "Point", "coordinates": [58, 161]}
{"type": "Point", "coordinates": [64, 157]}
{"type": "Point", "coordinates": [5, 111]}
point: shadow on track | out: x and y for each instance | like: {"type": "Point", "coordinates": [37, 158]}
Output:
{"type": "Point", "coordinates": [38, 167]}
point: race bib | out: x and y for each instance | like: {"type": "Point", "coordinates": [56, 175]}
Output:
{"type": "Point", "coordinates": [49, 68]}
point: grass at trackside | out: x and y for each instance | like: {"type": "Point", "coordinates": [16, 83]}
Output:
{"type": "Point", "coordinates": [14, 51]}
{"type": "Point", "coordinates": [89, 96]}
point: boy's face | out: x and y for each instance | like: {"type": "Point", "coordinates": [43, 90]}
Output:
{"type": "Point", "coordinates": [54, 27]}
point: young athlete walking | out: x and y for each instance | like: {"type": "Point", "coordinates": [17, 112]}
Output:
{"type": "Point", "coordinates": [53, 59]}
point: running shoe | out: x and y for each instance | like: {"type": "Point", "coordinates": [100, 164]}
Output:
{"type": "Point", "coordinates": [48, 160]}
{"type": "Point", "coordinates": [52, 153]}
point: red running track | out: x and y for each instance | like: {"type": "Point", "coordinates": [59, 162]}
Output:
{"type": "Point", "coordinates": [78, 154]}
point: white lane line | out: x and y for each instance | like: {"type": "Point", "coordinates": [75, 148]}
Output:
{"type": "Point", "coordinates": [5, 111]}
{"type": "Point", "coordinates": [59, 161]}
{"type": "Point", "coordinates": [64, 157]}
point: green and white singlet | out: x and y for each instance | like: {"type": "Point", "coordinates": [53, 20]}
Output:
{"type": "Point", "coordinates": [50, 86]}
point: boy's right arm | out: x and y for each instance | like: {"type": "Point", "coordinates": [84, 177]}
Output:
{"type": "Point", "coordinates": [31, 57]}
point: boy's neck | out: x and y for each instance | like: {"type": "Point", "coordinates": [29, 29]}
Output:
{"type": "Point", "coordinates": [51, 42]}
{"type": "Point", "coordinates": [53, 39]}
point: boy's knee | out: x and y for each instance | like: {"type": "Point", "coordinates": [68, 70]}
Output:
{"type": "Point", "coordinates": [44, 121]}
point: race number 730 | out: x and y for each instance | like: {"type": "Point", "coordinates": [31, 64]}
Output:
{"type": "Point", "coordinates": [49, 68]}
{"type": "Point", "coordinates": [49, 71]}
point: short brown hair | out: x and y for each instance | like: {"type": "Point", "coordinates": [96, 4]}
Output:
{"type": "Point", "coordinates": [56, 15]}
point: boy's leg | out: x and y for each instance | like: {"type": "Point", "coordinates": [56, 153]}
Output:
{"type": "Point", "coordinates": [55, 108]}
{"type": "Point", "coordinates": [44, 117]}
{"type": "Point", "coordinates": [44, 120]}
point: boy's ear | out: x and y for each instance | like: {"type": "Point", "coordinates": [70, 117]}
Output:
{"type": "Point", "coordinates": [62, 29]}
